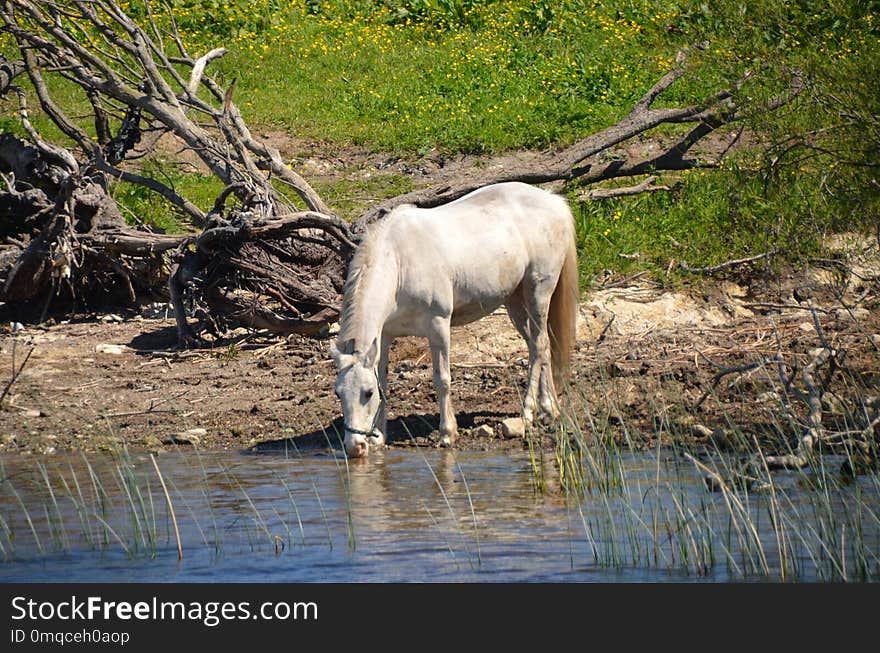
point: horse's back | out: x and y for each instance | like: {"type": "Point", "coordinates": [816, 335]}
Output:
{"type": "Point", "coordinates": [470, 255]}
{"type": "Point", "coordinates": [486, 226]}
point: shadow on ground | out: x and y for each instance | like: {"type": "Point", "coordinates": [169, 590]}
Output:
{"type": "Point", "coordinates": [420, 429]}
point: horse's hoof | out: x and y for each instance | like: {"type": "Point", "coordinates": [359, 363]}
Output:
{"type": "Point", "coordinates": [546, 419]}
{"type": "Point", "coordinates": [447, 440]}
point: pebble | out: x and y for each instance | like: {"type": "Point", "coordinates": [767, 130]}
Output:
{"type": "Point", "coordinates": [513, 427]}
{"type": "Point", "coordinates": [700, 431]}
{"type": "Point", "coordinates": [833, 405]}
{"type": "Point", "coordinates": [483, 431]}
{"type": "Point", "coordinates": [191, 436]}
{"type": "Point", "coordinates": [105, 348]}
{"type": "Point", "coordinates": [854, 314]}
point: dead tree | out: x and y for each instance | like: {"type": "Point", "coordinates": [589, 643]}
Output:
{"type": "Point", "coordinates": [271, 254]}
{"type": "Point", "coordinates": [278, 244]}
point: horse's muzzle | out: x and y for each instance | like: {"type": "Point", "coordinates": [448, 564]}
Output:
{"type": "Point", "coordinates": [357, 449]}
{"type": "Point", "coordinates": [356, 445]}
{"type": "Point", "coordinates": [357, 441]}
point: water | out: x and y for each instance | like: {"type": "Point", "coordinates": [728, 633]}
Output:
{"type": "Point", "coordinates": [401, 515]}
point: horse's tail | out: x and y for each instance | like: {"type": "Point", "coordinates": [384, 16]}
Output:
{"type": "Point", "coordinates": [562, 319]}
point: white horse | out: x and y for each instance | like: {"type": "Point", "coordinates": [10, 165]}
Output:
{"type": "Point", "coordinates": [418, 271]}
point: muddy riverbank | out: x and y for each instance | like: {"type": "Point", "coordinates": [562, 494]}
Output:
{"type": "Point", "coordinates": [645, 355]}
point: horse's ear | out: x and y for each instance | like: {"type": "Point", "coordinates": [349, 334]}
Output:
{"type": "Point", "coordinates": [338, 354]}
{"type": "Point", "coordinates": [369, 358]}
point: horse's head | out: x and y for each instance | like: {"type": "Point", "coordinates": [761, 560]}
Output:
{"type": "Point", "coordinates": [357, 386]}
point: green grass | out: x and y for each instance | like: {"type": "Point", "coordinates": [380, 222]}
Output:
{"type": "Point", "coordinates": [349, 197]}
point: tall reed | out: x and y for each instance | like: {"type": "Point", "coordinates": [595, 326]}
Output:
{"type": "Point", "coordinates": [701, 509]}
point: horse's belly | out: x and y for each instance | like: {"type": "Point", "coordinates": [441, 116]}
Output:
{"type": "Point", "coordinates": [470, 312]}
{"type": "Point", "coordinates": [479, 291]}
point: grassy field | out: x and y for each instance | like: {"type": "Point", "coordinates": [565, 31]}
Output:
{"type": "Point", "coordinates": [487, 76]}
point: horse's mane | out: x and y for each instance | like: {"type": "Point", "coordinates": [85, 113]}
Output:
{"type": "Point", "coordinates": [360, 263]}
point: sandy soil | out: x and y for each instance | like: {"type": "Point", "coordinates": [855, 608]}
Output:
{"type": "Point", "coordinates": [644, 356]}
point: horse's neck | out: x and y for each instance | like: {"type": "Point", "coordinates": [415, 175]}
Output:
{"type": "Point", "coordinates": [374, 303]}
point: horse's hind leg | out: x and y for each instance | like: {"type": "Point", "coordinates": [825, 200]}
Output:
{"type": "Point", "coordinates": [519, 315]}
{"type": "Point", "coordinates": [439, 340]}
{"type": "Point", "coordinates": [534, 309]}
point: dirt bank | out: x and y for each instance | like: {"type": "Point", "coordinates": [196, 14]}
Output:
{"type": "Point", "coordinates": [645, 355]}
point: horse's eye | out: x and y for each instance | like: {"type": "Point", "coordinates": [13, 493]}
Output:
{"type": "Point", "coordinates": [368, 394]}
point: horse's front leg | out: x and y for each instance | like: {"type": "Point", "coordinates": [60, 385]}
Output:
{"type": "Point", "coordinates": [382, 372]}
{"type": "Point", "coordinates": [439, 339]}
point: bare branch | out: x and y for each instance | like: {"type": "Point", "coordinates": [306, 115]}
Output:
{"type": "Point", "coordinates": [173, 198]}
{"type": "Point", "coordinates": [645, 186]}
{"type": "Point", "coordinates": [9, 70]}
{"type": "Point", "coordinates": [713, 269]}
{"type": "Point", "coordinates": [198, 70]}
{"type": "Point", "coordinates": [58, 154]}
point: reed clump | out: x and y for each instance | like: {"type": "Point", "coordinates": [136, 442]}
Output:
{"type": "Point", "coordinates": [793, 496]}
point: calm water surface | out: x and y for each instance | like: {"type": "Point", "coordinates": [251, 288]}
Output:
{"type": "Point", "coordinates": [399, 516]}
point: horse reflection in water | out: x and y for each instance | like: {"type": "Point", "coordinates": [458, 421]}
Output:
{"type": "Point", "coordinates": [420, 271]}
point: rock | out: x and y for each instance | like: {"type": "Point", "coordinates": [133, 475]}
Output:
{"type": "Point", "coordinates": [700, 431]}
{"type": "Point", "coordinates": [806, 327]}
{"type": "Point", "coordinates": [483, 431]}
{"type": "Point", "coordinates": [832, 404]}
{"type": "Point", "coordinates": [852, 315]}
{"type": "Point", "coordinates": [111, 317]}
{"type": "Point", "coordinates": [768, 397]}
{"type": "Point", "coordinates": [191, 437]}
{"type": "Point", "coordinates": [513, 427]}
{"type": "Point", "coordinates": [721, 439]}
{"type": "Point", "coordinates": [875, 340]}
{"type": "Point", "coordinates": [151, 442]}
{"type": "Point", "coordinates": [818, 354]}
{"type": "Point", "coordinates": [116, 350]}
